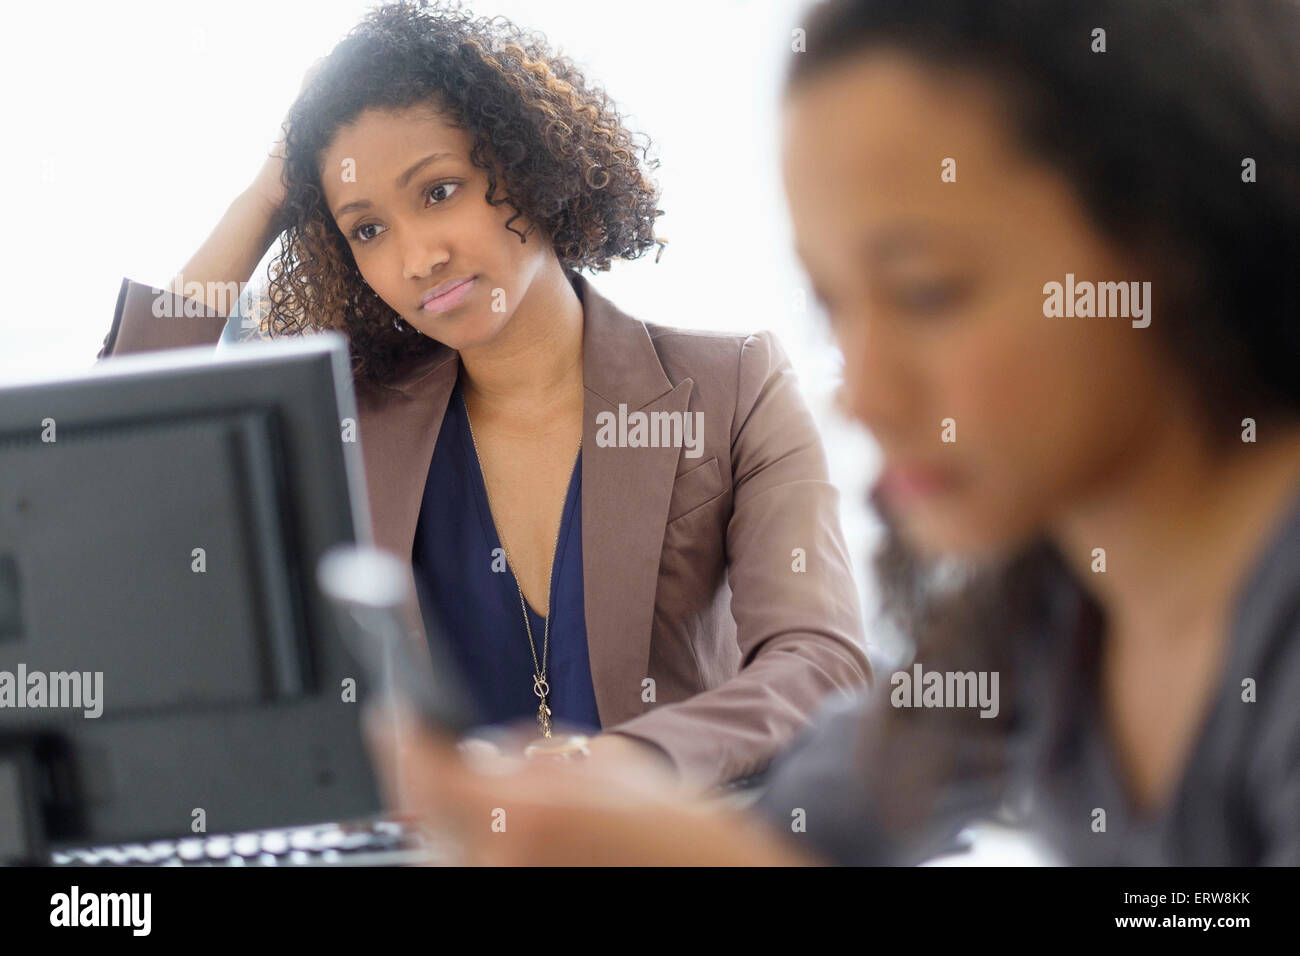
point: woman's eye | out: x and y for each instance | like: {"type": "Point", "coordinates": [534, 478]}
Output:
{"type": "Point", "coordinates": [442, 192]}
{"type": "Point", "coordinates": [357, 232]}
{"type": "Point", "coordinates": [436, 194]}
{"type": "Point", "coordinates": [930, 297]}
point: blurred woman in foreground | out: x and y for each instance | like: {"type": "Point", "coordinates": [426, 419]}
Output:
{"type": "Point", "coordinates": [1057, 249]}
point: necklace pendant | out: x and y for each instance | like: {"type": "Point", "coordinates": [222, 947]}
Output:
{"type": "Point", "coordinates": [544, 719]}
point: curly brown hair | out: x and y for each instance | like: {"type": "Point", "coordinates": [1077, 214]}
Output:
{"type": "Point", "coordinates": [554, 147]}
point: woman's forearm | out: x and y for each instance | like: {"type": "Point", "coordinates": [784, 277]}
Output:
{"type": "Point", "coordinates": [235, 247]}
{"type": "Point", "coordinates": [231, 252]}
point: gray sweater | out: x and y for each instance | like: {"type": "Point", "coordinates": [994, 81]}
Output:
{"type": "Point", "coordinates": [1049, 766]}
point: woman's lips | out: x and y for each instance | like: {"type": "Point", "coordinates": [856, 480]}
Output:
{"type": "Point", "coordinates": [902, 484]}
{"type": "Point", "coordinates": [451, 298]}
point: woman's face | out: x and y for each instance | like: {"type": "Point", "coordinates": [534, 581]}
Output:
{"type": "Point", "coordinates": [411, 206]}
{"type": "Point", "coordinates": [935, 293]}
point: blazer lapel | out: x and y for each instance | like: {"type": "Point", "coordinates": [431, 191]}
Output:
{"type": "Point", "coordinates": [399, 426]}
{"type": "Point", "coordinates": [625, 491]}
{"type": "Point", "coordinates": [398, 438]}
{"type": "Point", "coordinates": [625, 496]}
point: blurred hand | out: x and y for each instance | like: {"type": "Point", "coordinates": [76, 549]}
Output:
{"type": "Point", "coordinates": [628, 755]}
{"type": "Point", "coordinates": [508, 811]}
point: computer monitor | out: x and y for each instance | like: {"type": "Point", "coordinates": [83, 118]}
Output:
{"type": "Point", "coordinates": [166, 657]}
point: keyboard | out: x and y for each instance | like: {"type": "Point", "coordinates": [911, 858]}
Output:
{"type": "Point", "coordinates": [366, 843]}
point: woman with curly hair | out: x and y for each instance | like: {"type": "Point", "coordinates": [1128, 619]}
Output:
{"type": "Point", "coordinates": [1111, 545]}
{"type": "Point", "coordinates": [683, 587]}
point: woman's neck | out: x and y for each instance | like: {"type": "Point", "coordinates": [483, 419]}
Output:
{"type": "Point", "coordinates": [536, 362]}
{"type": "Point", "coordinates": [1180, 527]}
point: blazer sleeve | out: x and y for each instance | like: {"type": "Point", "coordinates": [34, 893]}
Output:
{"type": "Point", "coordinates": [148, 319]}
{"type": "Point", "coordinates": [794, 597]}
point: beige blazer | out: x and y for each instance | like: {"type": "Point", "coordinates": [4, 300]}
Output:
{"type": "Point", "coordinates": [720, 604]}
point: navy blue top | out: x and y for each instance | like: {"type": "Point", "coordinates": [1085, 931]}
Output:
{"type": "Point", "coordinates": [454, 556]}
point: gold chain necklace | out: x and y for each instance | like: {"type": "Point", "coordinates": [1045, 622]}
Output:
{"type": "Point", "coordinates": [540, 687]}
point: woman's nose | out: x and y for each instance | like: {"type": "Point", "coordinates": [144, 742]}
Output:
{"type": "Point", "coordinates": [423, 251]}
{"type": "Point", "coordinates": [878, 388]}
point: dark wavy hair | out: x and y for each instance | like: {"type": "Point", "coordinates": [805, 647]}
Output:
{"type": "Point", "coordinates": [554, 146]}
{"type": "Point", "coordinates": [1152, 134]}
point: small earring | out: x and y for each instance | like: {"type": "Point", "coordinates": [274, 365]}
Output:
{"type": "Point", "coordinates": [399, 324]}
